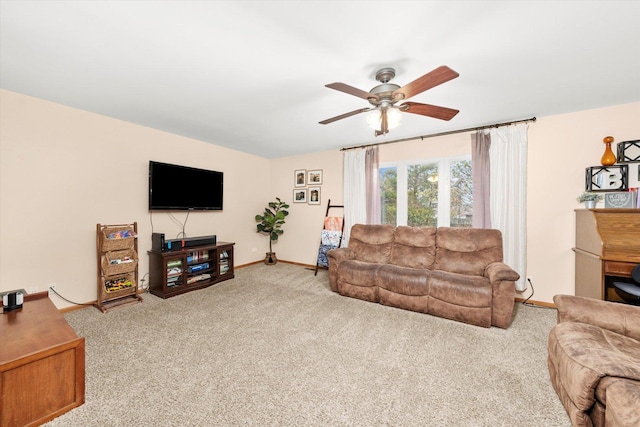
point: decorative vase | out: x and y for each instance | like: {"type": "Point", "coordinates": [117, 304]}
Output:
{"type": "Point", "coordinates": [608, 158]}
{"type": "Point", "coordinates": [270, 258]}
{"type": "Point", "coordinates": [590, 204]}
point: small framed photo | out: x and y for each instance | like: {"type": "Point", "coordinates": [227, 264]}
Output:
{"type": "Point", "coordinates": [314, 195]}
{"type": "Point", "coordinates": [300, 196]}
{"type": "Point", "coordinates": [314, 177]}
{"type": "Point", "coordinates": [299, 178]}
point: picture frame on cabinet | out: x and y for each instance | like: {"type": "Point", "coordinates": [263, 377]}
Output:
{"type": "Point", "coordinates": [300, 196]}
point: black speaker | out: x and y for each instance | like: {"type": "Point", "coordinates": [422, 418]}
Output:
{"type": "Point", "coordinates": [157, 242]}
{"type": "Point", "coordinates": [12, 301]}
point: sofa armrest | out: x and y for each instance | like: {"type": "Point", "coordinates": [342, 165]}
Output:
{"type": "Point", "coordinates": [497, 271]}
{"type": "Point", "coordinates": [503, 292]}
{"type": "Point", "coordinates": [616, 317]}
{"type": "Point", "coordinates": [336, 256]}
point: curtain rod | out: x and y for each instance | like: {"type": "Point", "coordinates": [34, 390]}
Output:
{"type": "Point", "coordinates": [422, 137]}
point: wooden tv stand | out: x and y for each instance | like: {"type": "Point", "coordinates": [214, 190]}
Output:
{"type": "Point", "coordinates": [175, 272]}
{"type": "Point", "coordinates": [42, 364]}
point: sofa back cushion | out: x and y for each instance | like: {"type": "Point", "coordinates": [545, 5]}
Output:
{"type": "Point", "coordinates": [467, 250]}
{"type": "Point", "coordinates": [414, 247]}
{"type": "Point", "coordinates": [371, 243]}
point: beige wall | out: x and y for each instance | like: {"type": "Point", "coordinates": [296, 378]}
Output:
{"type": "Point", "coordinates": [63, 170]}
{"type": "Point", "coordinates": [560, 148]}
{"type": "Point", "coordinates": [301, 237]}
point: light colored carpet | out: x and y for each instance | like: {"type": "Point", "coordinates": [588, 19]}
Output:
{"type": "Point", "coordinates": [275, 347]}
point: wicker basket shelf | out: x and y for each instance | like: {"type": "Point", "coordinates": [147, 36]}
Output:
{"type": "Point", "coordinates": [117, 238]}
{"type": "Point", "coordinates": [117, 256]}
{"type": "Point", "coordinates": [119, 262]}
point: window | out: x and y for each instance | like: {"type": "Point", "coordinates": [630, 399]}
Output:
{"type": "Point", "coordinates": [431, 193]}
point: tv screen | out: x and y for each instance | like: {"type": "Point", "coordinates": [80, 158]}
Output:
{"type": "Point", "coordinates": [173, 187]}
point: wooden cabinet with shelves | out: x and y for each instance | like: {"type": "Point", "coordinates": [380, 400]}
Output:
{"type": "Point", "coordinates": [176, 272]}
{"type": "Point", "coordinates": [117, 250]}
{"type": "Point", "coordinates": [607, 249]}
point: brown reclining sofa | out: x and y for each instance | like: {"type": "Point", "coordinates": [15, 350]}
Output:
{"type": "Point", "coordinates": [455, 273]}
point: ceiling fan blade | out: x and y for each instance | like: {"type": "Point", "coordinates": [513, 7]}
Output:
{"type": "Point", "coordinates": [434, 111]}
{"type": "Point", "coordinates": [344, 116]}
{"type": "Point", "coordinates": [342, 87]}
{"type": "Point", "coordinates": [432, 79]}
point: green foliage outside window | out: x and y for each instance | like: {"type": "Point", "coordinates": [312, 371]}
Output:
{"type": "Point", "coordinates": [461, 194]}
{"type": "Point", "coordinates": [389, 195]}
{"type": "Point", "coordinates": [422, 194]}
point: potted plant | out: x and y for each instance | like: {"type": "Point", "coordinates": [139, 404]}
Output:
{"type": "Point", "coordinates": [589, 199]}
{"type": "Point", "coordinates": [271, 222]}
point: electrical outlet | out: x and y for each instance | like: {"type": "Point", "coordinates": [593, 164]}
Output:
{"type": "Point", "coordinates": [50, 287]}
{"type": "Point", "coordinates": [529, 279]}
{"type": "Point", "coordinates": [32, 290]}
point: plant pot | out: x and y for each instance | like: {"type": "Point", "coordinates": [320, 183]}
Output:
{"type": "Point", "coordinates": [590, 204]}
{"type": "Point", "coordinates": [270, 258]}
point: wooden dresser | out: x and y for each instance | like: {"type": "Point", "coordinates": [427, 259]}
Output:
{"type": "Point", "coordinates": [607, 249]}
{"type": "Point", "coordinates": [42, 364]}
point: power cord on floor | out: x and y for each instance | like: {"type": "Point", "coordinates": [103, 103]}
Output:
{"type": "Point", "coordinates": [69, 301]}
{"type": "Point", "coordinates": [142, 286]}
{"type": "Point", "coordinates": [529, 297]}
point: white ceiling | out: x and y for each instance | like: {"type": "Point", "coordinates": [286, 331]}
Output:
{"type": "Point", "coordinates": [250, 75]}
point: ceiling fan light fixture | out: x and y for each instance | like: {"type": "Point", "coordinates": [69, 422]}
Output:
{"type": "Point", "coordinates": [374, 119]}
{"type": "Point", "coordinates": [394, 117]}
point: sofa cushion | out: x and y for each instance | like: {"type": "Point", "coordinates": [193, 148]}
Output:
{"type": "Point", "coordinates": [358, 273]}
{"type": "Point", "coordinates": [460, 289]}
{"type": "Point", "coordinates": [403, 287]}
{"type": "Point", "coordinates": [357, 279]}
{"type": "Point", "coordinates": [371, 243]}
{"type": "Point", "coordinates": [404, 280]}
{"type": "Point", "coordinates": [622, 404]}
{"type": "Point", "coordinates": [460, 297]}
{"type": "Point", "coordinates": [467, 250]}
{"type": "Point", "coordinates": [414, 247]}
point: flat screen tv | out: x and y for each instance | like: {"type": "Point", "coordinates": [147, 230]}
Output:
{"type": "Point", "coordinates": [174, 187]}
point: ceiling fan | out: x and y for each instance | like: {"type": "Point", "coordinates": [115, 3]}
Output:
{"type": "Point", "coordinates": [384, 97]}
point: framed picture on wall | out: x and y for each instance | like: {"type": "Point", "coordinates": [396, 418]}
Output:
{"type": "Point", "coordinates": [299, 178]}
{"type": "Point", "coordinates": [300, 196]}
{"type": "Point", "coordinates": [314, 195]}
{"type": "Point", "coordinates": [314, 177]}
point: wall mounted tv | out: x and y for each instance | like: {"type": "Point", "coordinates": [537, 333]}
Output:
{"type": "Point", "coordinates": [173, 187]}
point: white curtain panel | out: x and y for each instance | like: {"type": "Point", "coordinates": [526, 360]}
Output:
{"type": "Point", "coordinates": [508, 157]}
{"type": "Point", "coordinates": [355, 191]}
